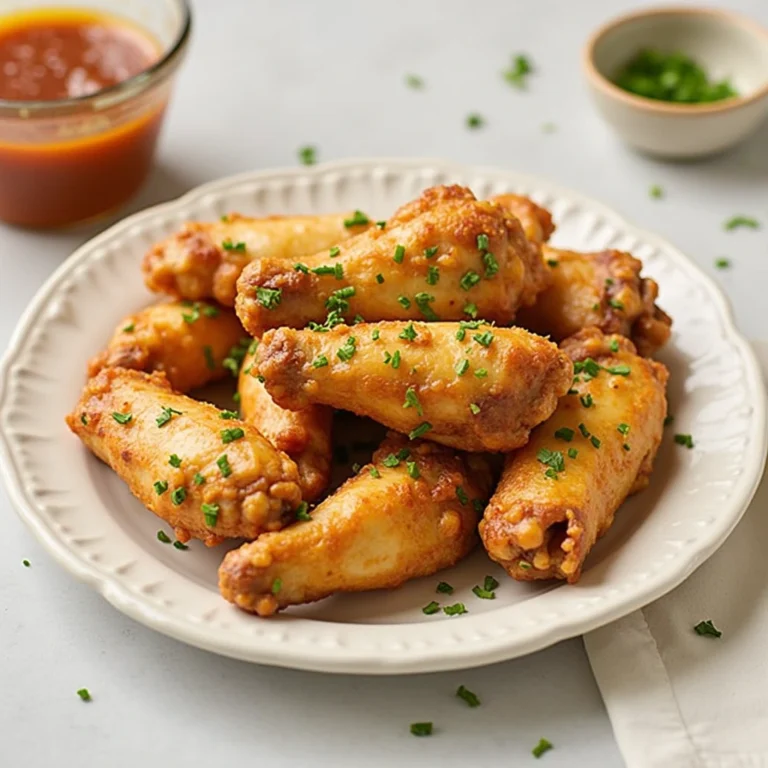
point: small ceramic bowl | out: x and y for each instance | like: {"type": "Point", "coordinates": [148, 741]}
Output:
{"type": "Point", "coordinates": [726, 44]}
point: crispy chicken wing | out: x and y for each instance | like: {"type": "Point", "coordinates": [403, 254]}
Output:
{"type": "Point", "coordinates": [601, 289]}
{"type": "Point", "coordinates": [559, 493]}
{"type": "Point", "coordinates": [304, 435]}
{"type": "Point", "coordinates": [187, 341]}
{"type": "Point", "coordinates": [204, 259]}
{"type": "Point", "coordinates": [536, 221]}
{"type": "Point", "coordinates": [443, 256]}
{"type": "Point", "coordinates": [467, 385]}
{"type": "Point", "coordinates": [409, 513]}
{"type": "Point", "coordinates": [210, 477]}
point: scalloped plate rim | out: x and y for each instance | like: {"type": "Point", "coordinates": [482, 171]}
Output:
{"type": "Point", "coordinates": [464, 654]}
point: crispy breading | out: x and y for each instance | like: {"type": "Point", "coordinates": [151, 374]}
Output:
{"type": "Point", "coordinates": [384, 526]}
{"type": "Point", "coordinates": [304, 435]}
{"type": "Point", "coordinates": [602, 289]}
{"type": "Point", "coordinates": [551, 506]}
{"type": "Point", "coordinates": [479, 388]}
{"type": "Point", "coordinates": [443, 256]}
{"type": "Point", "coordinates": [249, 486]}
{"type": "Point", "coordinates": [204, 259]}
{"type": "Point", "coordinates": [536, 221]}
{"type": "Point", "coordinates": [186, 341]}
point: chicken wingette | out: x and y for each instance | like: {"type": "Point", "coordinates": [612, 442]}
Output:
{"type": "Point", "coordinates": [207, 474]}
{"type": "Point", "coordinates": [204, 259]}
{"type": "Point", "coordinates": [468, 385]}
{"type": "Point", "coordinates": [536, 221]}
{"type": "Point", "coordinates": [304, 435]}
{"type": "Point", "coordinates": [443, 256]}
{"type": "Point", "coordinates": [602, 289]}
{"type": "Point", "coordinates": [188, 341]}
{"type": "Point", "coordinates": [559, 493]}
{"type": "Point", "coordinates": [411, 512]}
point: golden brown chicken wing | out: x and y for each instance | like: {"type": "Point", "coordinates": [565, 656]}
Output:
{"type": "Point", "coordinates": [304, 435]}
{"type": "Point", "coordinates": [444, 256]}
{"type": "Point", "coordinates": [536, 221]}
{"type": "Point", "coordinates": [468, 385]}
{"type": "Point", "coordinates": [601, 289]}
{"type": "Point", "coordinates": [187, 341]}
{"type": "Point", "coordinates": [204, 259]}
{"type": "Point", "coordinates": [409, 513]}
{"type": "Point", "coordinates": [559, 493]}
{"type": "Point", "coordinates": [210, 476]}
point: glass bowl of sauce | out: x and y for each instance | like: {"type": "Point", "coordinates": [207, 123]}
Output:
{"type": "Point", "coordinates": [83, 93]}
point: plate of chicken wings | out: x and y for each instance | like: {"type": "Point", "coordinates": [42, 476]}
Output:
{"type": "Point", "coordinates": [380, 416]}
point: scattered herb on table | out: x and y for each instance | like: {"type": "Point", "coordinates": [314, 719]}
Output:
{"type": "Point", "coordinates": [686, 440]}
{"type": "Point", "coordinates": [518, 71]}
{"type": "Point", "coordinates": [421, 729]}
{"type": "Point", "coordinates": [736, 222]}
{"type": "Point", "coordinates": [84, 694]}
{"type": "Point", "coordinates": [542, 747]}
{"type": "Point", "coordinates": [308, 155]}
{"type": "Point", "coordinates": [475, 120]}
{"type": "Point", "coordinates": [466, 695]}
{"type": "Point", "coordinates": [707, 628]}
{"type": "Point", "coordinates": [414, 81]}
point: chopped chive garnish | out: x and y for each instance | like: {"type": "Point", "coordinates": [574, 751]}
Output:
{"type": "Point", "coordinates": [381, 224]}
{"type": "Point", "coordinates": [481, 373]}
{"type": "Point", "coordinates": [668, 419]}
{"type": "Point", "coordinates": [433, 274]}
{"type": "Point", "coordinates": [656, 192]}
{"type": "Point", "coordinates": [228, 245]}
{"type": "Point", "coordinates": [408, 333]}
{"type": "Point", "coordinates": [166, 415]}
{"type": "Point", "coordinates": [461, 495]}
{"type": "Point", "coordinates": [615, 304]}
{"type": "Point", "coordinates": [84, 694]}
{"type": "Point", "coordinates": [412, 401]}
{"type": "Point", "coordinates": [462, 367]}
{"type": "Point", "coordinates": [619, 370]}
{"type": "Point", "coordinates": [470, 309]}
{"type": "Point", "coordinates": [552, 459]}
{"type": "Point", "coordinates": [484, 339]}
{"type": "Point", "coordinates": [431, 251]}
{"type": "Point", "coordinates": [707, 628]}
{"type": "Point", "coordinates": [421, 729]}
{"type": "Point", "coordinates": [475, 120]}
{"type": "Point", "coordinates": [475, 408]}
{"type": "Point", "coordinates": [301, 268]}
{"type": "Point", "coordinates": [379, 278]}
{"type": "Point", "coordinates": [518, 71]}
{"type": "Point", "coordinates": [614, 345]}
{"type": "Point", "coordinates": [483, 243]}
{"type": "Point", "coordinates": [623, 428]}
{"type": "Point", "coordinates": [230, 435]}
{"type": "Point", "coordinates": [595, 441]}
{"type": "Point", "coordinates": [399, 254]}
{"type": "Point", "coordinates": [484, 594]}
{"type": "Point", "coordinates": [454, 610]}
{"type": "Point", "coordinates": [178, 496]}
{"type": "Point", "coordinates": [308, 155]}
{"type": "Point", "coordinates": [686, 440]}
{"type": "Point", "coordinates": [320, 362]}
{"type": "Point", "coordinates": [302, 512]}
{"type": "Point", "coordinates": [25, 563]}
{"type": "Point", "coordinates": [358, 219]}
{"type": "Point", "coordinates": [490, 583]}
{"type": "Point", "coordinates": [210, 513]}
{"type": "Point", "coordinates": [130, 328]}
{"type": "Point", "coordinates": [469, 279]}
{"type": "Point", "coordinates": [390, 461]}
{"type": "Point", "coordinates": [223, 464]}
{"type": "Point", "coordinates": [741, 221]}
{"type": "Point", "coordinates": [209, 361]}
{"type": "Point", "coordinates": [211, 311]}
{"type": "Point", "coordinates": [431, 608]}
{"type": "Point", "coordinates": [573, 453]}
{"type": "Point", "coordinates": [584, 431]}
{"type": "Point", "coordinates": [626, 446]}
{"type": "Point", "coordinates": [564, 433]}
{"type": "Point", "coordinates": [586, 400]}
{"type": "Point", "coordinates": [174, 460]}
{"type": "Point", "coordinates": [467, 695]}
{"type": "Point", "coordinates": [375, 334]}
{"type": "Point", "coordinates": [423, 300]}
{"type": "Point", "coordinates": [551, 474]}
{"type": "Point", "coordinates": [722, 263]}
{"type": "Point", "coordinates": [375, 472]}
{"type": "Point", "coordinates": [420, 431]}
{"type": "Point", "coordinates": [444, 588]}
{"type": "Point", "coordinates": [84, 419]}
{"type": "Point", "coordinates": [552, 263]}
{"type": "Point", "coordinates": [413, 469]}
{"type": "Point", "coordinates": [404, 302]}
{"type": "Point", "coordinates": [542, 747]}
{"type": "Point", "coordinates": [163, 536]}
{"type": "Point", "coordinates": [198, 479]}
{"type": "Point", "coordinates": [160, 486]}
{"type": "Point", "coordinates": [122, 418]}
{"type": "Point", "coordinates": [414, 81]}
{"type": "Point", "coordinates": [491, 265]}
{"type": "Point", "coordinates": [269, 298]}
{"type": "Point", "coordinates": [277, 585]}
{"type": "Point", "coordinates": [334, 251]}
{"type": "Point", "coordinates": [180, 545]}
{"type": "Point", "coordinates": [347, 351]}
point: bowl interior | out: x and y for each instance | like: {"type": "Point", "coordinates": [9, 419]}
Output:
{"type": "Point", "coordinates": [726, 46]}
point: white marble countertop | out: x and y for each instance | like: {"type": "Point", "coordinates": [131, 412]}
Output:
{"type": "Point", "coordinates": [263, 79]}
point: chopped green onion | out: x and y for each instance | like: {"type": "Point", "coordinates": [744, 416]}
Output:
{"type": "Point", "coordinates": [421, 729]}
{"type": "Point", "coordinates": [433, 274]}
{"type": "Point", "coordinates": [320, 362]}
{"type": "Point", "coordinates": [122, 418]}
{"type": "Point", "coordinates": [334, 252]}
{"type": "Point", "coordinates": [174, 460]}
{"type": "Point", "coordinates": [223, 464]}
{"type": "Point", "coordinates": [462, 367]}
{"type": "Point", "coordinates": [166, 415]}
{"type": "Point", "coordinates": [198, 479]}
{"type": "Point", "coordinates": [302, 512]}
{"type": "Point", "coordinates": [308, 155]}
{"type": "Point", "coordinates": [623, 428]}
{"type": "Point", "coordinates": [179, 545]}
{"type": "Point", "coordinates": [277, 585]}
{"type": "Point", "coordinates": [454, 610]}
{"type": "Point", "coordinates": [481, 373]}
{"type": "Point", "coordinates": [475, 408]}
{"type": "Point", "coordinates": [379, 278]}
{"type": "Point", "coordinates": [420, 431]}
{"type": "Point", "coordinates": [408, 333]}
{"type": "Point", "coordinates": [211, 514]}
{"type": "Point", "coordinates": [130, 328]}
{"type": "Point", "coordinates": [467, 695]}
{"type": "Point", "coordinates": [444, 588]}
{"type": "Point", "coordinates": [413, 469]}
{"type": "Point", "coordinates": [347, 351]}
{"type": "Point", "coordinates": [741, 221]}
{"type": "Point", "coordinates": [178, 496]}
{"type": "Point", "coordinates": [517, 72]}
{"type": "Point", "coordinates": [484, 339]}
{"type": "Point", "coordinates": [412, 401]}
{"type": "Point", "coordinates": [474, 120]}
{"type": "Point", "coordinates": [423, 300]}
{"type": "Point", "coordinates": [230, 435]}
{"type": "Point", "coordinates": [564, 433]}
{"type": "Point", "coordinates": [163, 536]}
{"type": "Point", "coordinates": [707, 628]}
{"type": "Point", "coordinates": [722, 263]}
{"type": "Point", "coordinates": [404, 302]}
{"type": "Point", "coordinates": [619, 370]}
{"type": "Point", "coordinates": [470, 309]}
{"type": "Point", "coordinates": [491, 265]}
{"type": "Point", "coordinates": [358, 219]}
{"type": "Point", "coordinates": [228, 245]}
{"type": "Point", "coordinates": [656, 192]}
{"type": "Point", "coordinates": [375, 472]}
{"type": "Point", "coordinates": [461, 495]}
{"type": "Point", "coordinates": [542, 747]}
{"type": "Point", "coordinates": [431, 251]}
{"type": "Point", "coordinates": [686, 440]}
{"type": "Point", "coordinates": [160, 486]}
{"type": "Point", "coordinates": [469, 279]}
{"type": "Point", "coordinates": [399, 254]}
{"type": "Point", "coordinates": [84, 694]}
{"type": "Point", "coordinates": [431, 608]}
{"type": "Point", "coordinates": [414, 81]}
{"type": "Point", "coordinates": [586, 400]}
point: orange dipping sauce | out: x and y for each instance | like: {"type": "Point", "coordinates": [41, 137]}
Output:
{"type": "Point", "coordinates": [68, 162]}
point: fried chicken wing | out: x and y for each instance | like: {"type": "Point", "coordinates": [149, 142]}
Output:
{"type": "Point", "coordinates": [602, 289]}
{"type": "Point", "coordinates": [188, 342]}
{"type": "Point", "coordinates": [410, 513]}
{"type": "Point", "coordinates": [559, 493]}
{"type": "Point", "coordinates": [536, 221]}
{"type": "Point", "coordinates": [444, 256]}
{"type": "Point", "coordinates": [467, 385]}
{"type": "Point", "coordinates": [209, 477]}
{"type": "Point", "coordinates": [204, 259]}
{"type": "Point", "coordinates": [304, 435]}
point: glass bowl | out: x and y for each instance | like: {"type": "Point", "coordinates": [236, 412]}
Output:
{"type": "Point", "coordinates": [70, 160]}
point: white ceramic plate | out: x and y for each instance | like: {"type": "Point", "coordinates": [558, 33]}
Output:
{"type": "Point", "coordinates": [92, 525]}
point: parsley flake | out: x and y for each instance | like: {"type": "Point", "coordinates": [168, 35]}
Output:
{"type": "Point", "coordinates": [166, 415]}
{"type": "Point", "coordinates": [408, 333]}
{"type": "Point", "coordinates": [423, 300]}
{"type": "Point", "coordinates": [412, 401]}
{"type": "Point", "coordinates": [269, 298]}
{"type": "Point", "coordinates": [347, 351]}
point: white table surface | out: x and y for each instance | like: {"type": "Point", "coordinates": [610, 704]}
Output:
{"type": "Point", "coordinates": [262, 79]}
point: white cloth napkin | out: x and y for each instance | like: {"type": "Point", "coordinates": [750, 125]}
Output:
{"type": "Point", "coordinates": [680, 700]}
